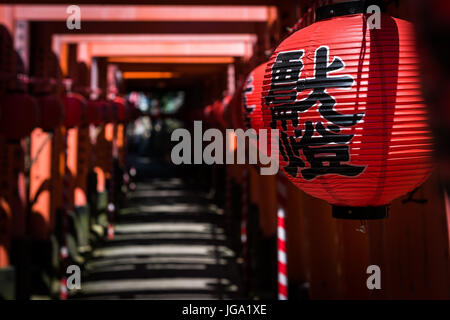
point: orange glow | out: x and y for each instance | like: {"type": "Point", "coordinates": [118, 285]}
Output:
{"type": "Point", "coordinates": [120, 137]}
{"type": "Point", "coordinates": [72, 150]}
{"type": "Point", "coordinates": [63, 59]}
{"type": "Point", "coordinates": [150, 75]}
{"type": "Point", "coordinates": [80, 197]}
{"type": "Point", "coordinates": [61, 154]}
{"type": "Point", "coordinates": [83, 54]}
{"type": "Point", "coordinates": [109, 132]}
{"type": "Point", "coordinates": [232, 140]}
{"type": "Point", "coordinates": [4, 238]}
{"type": "Point", "coordinates": [180, 60]}
{"type": "Point", "coordinates": [101, 179]}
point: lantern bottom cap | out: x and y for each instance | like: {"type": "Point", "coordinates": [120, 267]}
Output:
{"type": "Point", "coordinates": [360, 213]}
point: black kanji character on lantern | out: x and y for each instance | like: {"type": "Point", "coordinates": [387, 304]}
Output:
{"type": "Point", "coordinates": [324, 153]}
{"type": "Point", "coordinates": [283, 92]}
{"type": "Point", "coordinates": [248, 109]}
{"type": "Point", "coordinates": [328, 148]}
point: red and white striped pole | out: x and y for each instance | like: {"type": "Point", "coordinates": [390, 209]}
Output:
{"type": "Point", "coordinates": [281, 237]}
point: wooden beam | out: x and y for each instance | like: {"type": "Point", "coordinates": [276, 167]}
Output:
{"type": "Point", "coordinates": [131, 37]}
{"type": "Point", "coordinates": [153, 2]}
{"type": "Point", "coordinates": [155, 27]}
{"type": "Point", "coordinates": [172, 60]}
{"type": "Point", "coordinates": [236, 49]}
{"type": "Point", "coordinates": [144, 13]}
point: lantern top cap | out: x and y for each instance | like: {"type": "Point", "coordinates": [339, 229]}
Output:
{"type": "Point", "coordinates": [346, 8]}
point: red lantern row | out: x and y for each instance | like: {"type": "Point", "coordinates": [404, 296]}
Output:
{"type": "Point", "coordinates": [20, 113]}
{"type": "Point", "coordinates": [215, 114]}
{"type": "Point", "coordinates": [119, 110]}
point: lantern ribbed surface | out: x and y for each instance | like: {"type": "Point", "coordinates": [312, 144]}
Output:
{"type": "Point", "coordinates": [75, 110]}
{"type": "Point", "coordinates": [347, 101]}
{"type": "Point", "coordinates": [251, 98]}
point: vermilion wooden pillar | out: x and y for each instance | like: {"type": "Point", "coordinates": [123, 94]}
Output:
{"type": "Point", "coordinates": [84, 150]}
{"type": "Point", "coordinates": [5, 207]}
{"type": "Point", "coordinates": [47, 149]}
{"type": "Point", "coordinates": [5, 232]}
{"type": "Point", "coordinates": [102, 150]}
{"type": "Point", "coordinates": [254, 184]}
{"type": "Point", "coordinates": [105, 133]}
{"type": "Point", "coordinates": [416, 245]}
{"type": "Point", "coordinates": [296, 241]}
{"type": "Point", "coordinates": [353, 259]}
{"type": "Point", "coordinates": [58, 162]}
{"type": "Point", "coordinates": [268, 205]}
{"type": "Point", "coordinates": [46, 180]}
{"type": "Point", "coordinates": [235, 172]}
{"type": "Point", "coordinates": [121, 144]}
{"type": "Point", "coordinates": [40, 184]}
{"type": "Point", "coordinates": [323, 249]}
{"type": "Point", "coordinates": [72, 162]}
{"type": "Point", "coordinates": [79, 72]}
{"type": "Point", "coordinates": [12, 196]}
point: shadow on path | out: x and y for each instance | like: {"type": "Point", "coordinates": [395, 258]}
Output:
{"type": "Point", "coordinates": [169, 243]}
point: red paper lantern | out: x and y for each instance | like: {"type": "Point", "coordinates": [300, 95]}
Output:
{"type": "Point", "coordinates": [233, 112]}
{"type": "Point", "coordinates": [227, 102]}
{"type": "Point", "coordinates": [75, 110]}
{"type": "Point", "coordinates": [18, 115]}
{"type": "Point", "coordinates": [347, 102]}
{"type": "Point", "coordinates": [100, 112]}
{"type": "Point", "coordinates": [207, 114]}
{"type": "Point", "coordinates": [121, 109]}
{"type": "Point", "coordinates": [217, 110]}
{"type": "Point", "coordinates": [51, 111]}
{"type": "Point", "coordinates": [251, 98]}
{"type": "Point", "coordinates": [227, 99]}
{"type": "Point", "coordinates": [105, 112]}
{"type": "Point", "coordinates": [110, 109]}
{"type": "Point", "coordinates": [91, 112]}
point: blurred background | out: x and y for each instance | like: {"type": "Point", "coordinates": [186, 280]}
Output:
{"type": "Point", "coordinates": [90, 96]}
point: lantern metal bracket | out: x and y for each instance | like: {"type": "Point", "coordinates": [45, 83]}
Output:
{"type": "Point", "coordinates": [360, 213]}
{"type": "Point", "coordinates": [346, 8]}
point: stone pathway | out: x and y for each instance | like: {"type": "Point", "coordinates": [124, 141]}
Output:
{"type": "Point", "coordinates": [169, 243]}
